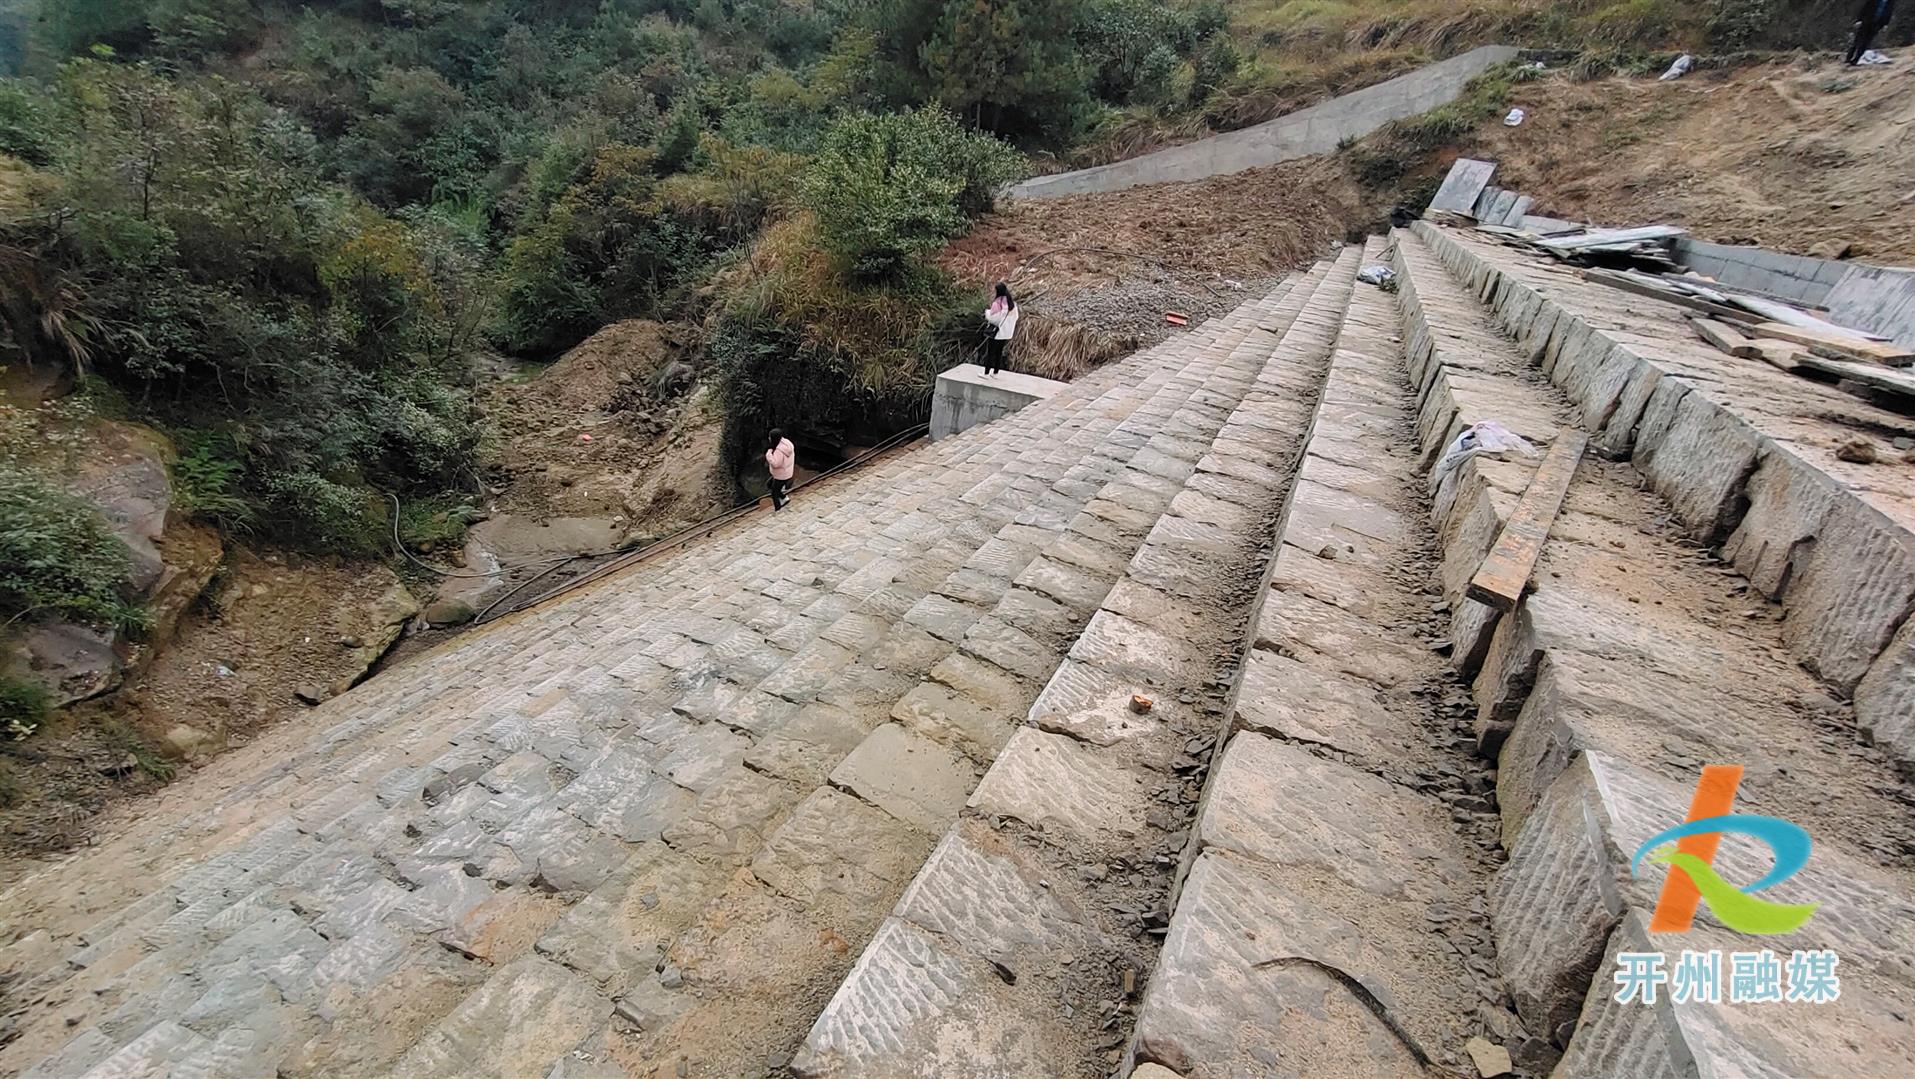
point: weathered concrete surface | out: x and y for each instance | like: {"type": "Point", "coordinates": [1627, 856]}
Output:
{"type": "Point", "coordinates": [966, 396]}
{"type": "Point", "coordinates": [1315, 130]}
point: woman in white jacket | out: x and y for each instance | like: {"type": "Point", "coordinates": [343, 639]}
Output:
{"type": "Point", "coordinates": [1002, 314]}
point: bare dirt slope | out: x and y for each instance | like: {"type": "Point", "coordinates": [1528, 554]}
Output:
{"type": "Point", "coordinates": [616, 428]}
{"type": "Point", "coordinates": [1800, 155]}
{"type": "Point", "coordinates": [1792, 155]}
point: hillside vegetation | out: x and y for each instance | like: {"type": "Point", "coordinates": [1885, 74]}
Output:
{"type": "Point", "coordinates": [281, 232]}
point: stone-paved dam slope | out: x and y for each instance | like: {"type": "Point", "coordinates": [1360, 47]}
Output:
{"type": "Point", "coordinates": [858, 789]}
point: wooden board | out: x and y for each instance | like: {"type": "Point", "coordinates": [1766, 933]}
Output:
{"type": "Point", "coordinates": [1779, 354]}
{"type": "Point", "coordinates": [1680, 299]}
{"type": "Point", "coordinates": [1874, 376]}
{"type": "Point", "coordinates": [1725, 337]}
{"type": "Point", "coordinates": [1506, 570]}
{"type": "Point", "coordinates": [1836, 346]}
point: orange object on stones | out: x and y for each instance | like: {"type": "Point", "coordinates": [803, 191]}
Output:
{"type": "Point", "coordinates": [1141, 704]}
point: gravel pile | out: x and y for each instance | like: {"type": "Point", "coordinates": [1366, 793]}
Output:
{"type": "Point", "coordinates": [1135, 308]}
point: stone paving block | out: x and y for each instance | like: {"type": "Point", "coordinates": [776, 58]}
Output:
{"type": "Point", "coordinates": [1345, 582]}
{"type": "Point", "coordinates": [748, 710]}
{"type": "Point", "coordinates": [1860, 1034]}
{"type": "Point", "coordinates": [808, 671]}
{"type": "Point", "coordinates": [986, 683]}
{"type": "Point", "coordinates": [1006, 646]}
{"type": "Point", "coordinates": [86, 1049]}
{"type": "Point", "coordinates": [982, 893]}
{"type": "Point", "coordinates": [156, 1052]}
{"type": "Point", "coordinates": [836, 851]}
{"type": "Point", "coordinates": [617, 933]}
{"type": "Point", "coordinates": [811, 744]}
{"type": "Point", "coordinates": [1049, 782]}
{"type": "Point", "coordinates": [1080, 589]}
{"type": "Point", "coordinates": [1329, 638]}
{"type": "Point", "coordinates": [973, 587]}
{"type": "Point", "coordinates": [516, 1024]}
{"type": "Point", "coordinates": [1093, 704]}
{"type": "Point", "coordinates": [623, 796]}
{"type": "Point", "coordinates": [1210, 1010]}
{"type": "Point", "coordinates": [1131, 649]}
{"type": "Point", "coordinates": [1378, 837]}
{"type": "Point", "coordinates": [703, 756]}
{"type": "Point", "coordinates": [914, 779]}
{"type": "Point", "coordinates": [907, 649]}
{"type": "Point", "coordinates": [1172, 615]}
{"type": "Point", "coordinates": [731, 819]}
{"type": "Point", "coordinates": [1567, 882]}
{"type": "Point", "coordinates": [351, 967]}
{"type": "Point", "coordinates": [910, 1007]}
{"type": "Point", "coordinates": [942, 714]}
{"type": "Point", "coordinates": [1356, 528]}
{"type": "Point", "coordinates": [1279, 696]}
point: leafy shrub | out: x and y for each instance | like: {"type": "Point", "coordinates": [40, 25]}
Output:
{"type": "Point", "coordinates": [26, 131]}
{"type": "Point", "coordinates": [440, 521]}
{"type": "Point", "coordinates": [206, 479]}
{"type": "Point", "coordinates": [58, 556]}
{"type": "Point", "coordinates": [888, 187]}
{"type": "Point", "coordinates": [23, 707]}
{"type": "Point", "coordinates": [1739, 24]}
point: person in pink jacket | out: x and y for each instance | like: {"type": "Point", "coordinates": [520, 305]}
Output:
{"type": "Point", "coordinates": [782, 457]}
{"type": "Point", "coordinates": [1002, 315]}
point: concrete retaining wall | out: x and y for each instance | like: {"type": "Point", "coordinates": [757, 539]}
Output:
{"type": "Point", "coordinates": [1315, 130]}
{"type": "Point", "coordinates": [966, 396]}
{"type": "Point", "coordinates": [1800, 278]}
{"type": "Point", "coordinates": [1877, 299]}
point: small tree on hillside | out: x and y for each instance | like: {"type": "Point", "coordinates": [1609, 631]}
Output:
{"type": "Point", "coordinates": [888, 187]}
{"type": "Point", "coordinates": [1007, 65]}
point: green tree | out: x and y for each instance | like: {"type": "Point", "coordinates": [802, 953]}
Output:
{"type": "Point", "coordinates": [888, 186]}
{"type": "Point", "coordinates": [1008, 66]}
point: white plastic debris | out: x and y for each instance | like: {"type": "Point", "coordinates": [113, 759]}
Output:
{"type": "Point", "coordinates": [1678, 69]}
{"type": "Point", "coordinates": [1377, 274]}
{"type": "Point", "coordinates": [1488, 437]}
{"type": "Point", "coordinates": [1515, 117]}
{"type": "Point", "coordinates": [223, 671]}
{"type": "Point", "coordinates": [1873, 57]}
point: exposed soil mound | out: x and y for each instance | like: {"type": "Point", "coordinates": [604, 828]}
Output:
{"type": "Point", "coordinates": [622, 355]}
{"type": "Point", "coordinates": [1803, 156]}
{"type": "Point", "coordinates": [617, 428]}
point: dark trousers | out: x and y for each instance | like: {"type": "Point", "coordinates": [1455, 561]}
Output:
{"type": "Point", "coordinates": [1865, 31]}
{"type": "Point", "coordinates": [994, 356]}
{"type": "Point", "coordinates": [780, 493]}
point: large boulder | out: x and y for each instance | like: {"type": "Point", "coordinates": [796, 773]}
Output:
{"type": "Point", "coordinates": [370, 630]}
{"type": "Point", "coordinates": [122, 469]}
{"type": "Point", "coordinates": [72, 662]}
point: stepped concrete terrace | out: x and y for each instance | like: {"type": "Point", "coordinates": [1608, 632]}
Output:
{"type": "Point", "coordinates": [863, 789]}
{"type": "Point", "coordinates": [1410, 826]}
{"type": "Point", "coordinates": [653, 820]}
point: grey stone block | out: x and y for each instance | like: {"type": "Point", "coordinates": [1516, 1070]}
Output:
{"type": "Point", "coordinates": [1049, 782]}
{"type": "Point", "coordinates": [916, 780]}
